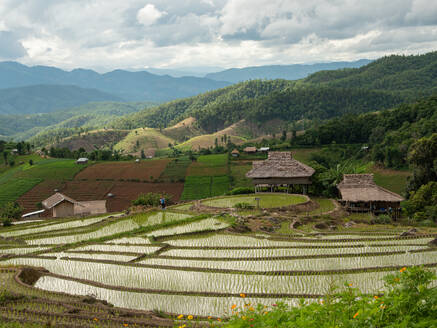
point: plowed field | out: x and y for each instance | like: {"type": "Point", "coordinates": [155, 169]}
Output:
{"type": "Point", "coordinates": [37, 194]}
{"type": "Point", "coordinates": [146, 170]}
{"type": "Point", "coordinates": [125, 192]}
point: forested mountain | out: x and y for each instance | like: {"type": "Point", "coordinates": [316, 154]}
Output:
{"type": "Point", "coordinates": [414, 75]}
{"type": "Point", "coordinates": [389, 133]}
{"type": "Point", "coordinates": [91, 115]}
{"type": "Point", "coordinates": [47, 98]}
{"type": "Point", "coordinates": [382, 84]}
{"type": "Point", "coordinates": [287, 72]}
{"type": "Point", "coordinates": [129, 86]}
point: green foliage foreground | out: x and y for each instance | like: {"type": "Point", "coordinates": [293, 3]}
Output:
{"type": "Point", "coordinates": [409, 302]}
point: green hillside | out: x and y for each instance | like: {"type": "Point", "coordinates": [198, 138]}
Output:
{"type": "Point", "coordinates": [382, 84]}
{"type": "Point", "coordinates": [91, 115]}
{"type": "Point", "coordinates": [415, 75]}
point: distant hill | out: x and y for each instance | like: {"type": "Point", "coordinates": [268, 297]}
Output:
{"type": "Point", "coordinates": [287, 72]}
{"type": "Point", "coordinates": [129, 86]}
{"type": "Point", "coordinates": [48, 98]}
{"type": "Point", "coordinates": [382, 84]}
{"type": "Point", "coordinates": [91, 115]}
{"type": "Point", "coordinates": [415, 75]}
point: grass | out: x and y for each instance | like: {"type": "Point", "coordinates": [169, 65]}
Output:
{"type": "Point", "coordinates": [198, 187]}
{"type": "Point", "coordinates": [238, 174]}
{"type": "Point", "coordinates": [325, 204]}
{"type": "Point", "coordinates": [176, 170]}
{"type": "Point", "coordinates": [143, 138]}
{"type": "Point", "coordinates": [393, 180]}
{"type": "Point", "coordinates": [17, 181]}
{"type": "Point", "coordinates": [266, 200]}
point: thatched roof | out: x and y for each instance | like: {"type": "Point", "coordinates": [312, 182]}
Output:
{"type": "Point", "coordinates": [362, 188]}
{"type": "Point", "coordinates": [250, 149]}
{"type": "Point", "coordinates": [235, 151]}
{"type": "Point", "coordinates": [280, 165]}
{"type": "Point", "coordinates": [55, 199]}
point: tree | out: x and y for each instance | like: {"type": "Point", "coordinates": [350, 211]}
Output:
{"type": "Point", "coordinates": [11, 210]}
{"type": "Point", "coordinates": [142, 154]}
{"type": "Point", "coordinates": [423, 158]}
{"type": "Point", "coordinates": [5, 157]}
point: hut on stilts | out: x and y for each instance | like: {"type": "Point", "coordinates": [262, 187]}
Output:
{"type": "Point", "coordinates": [280, 169]}
{"type": "Point", "coordinates": [360, 193]}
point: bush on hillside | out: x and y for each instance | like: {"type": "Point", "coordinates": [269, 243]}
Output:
{"type": "Point", "coordinates": [11, 210]}
{"type": "Point", "coordinates": [408, 302]}
{"type": "Point", "coordinates": [151, 199]}
{"type": "Point", "coordinates": [242, 190]}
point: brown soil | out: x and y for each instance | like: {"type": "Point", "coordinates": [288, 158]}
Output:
{"type": "Point", "coordinates": [90, 140]}
{"type": "Point", "coordinates": [37, 194]}
{"type": "Point", "coordinates": [125, 192]}
{"type": "Point", "coordinates": [146, 170]}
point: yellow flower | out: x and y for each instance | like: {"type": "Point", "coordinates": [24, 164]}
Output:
{"type": "Point", "coordinates": [233, 306]}
{"type": "Point", "coordinates": [180, 316]}
{"type": "Point", "coordinates": [218, 319]}
{"type": "Point", "coordinates": [243, 317]}
{"type": "Point", "coordinates": [356, 314]}
{"type": "Point", "coordinates": [382, 306]}
{"type": "Point", "coordinates": [125, 325]}
{"type": "Point", "coordinates": [265, 313]}
{"type": "Point", "coordinates": [95, 319]}
{"type": "Point", "coordinates": [183, 326]}
{"type": "Point", "coordinates": [251, 309]}
{"type": "Point", "coordinates": [242, 295]}
{"type": "Point", "coordinates": [209, 317]}
{"type": "Point", "coordinates": [397, 279]}
{"type": "Point", "coordinates": [376, 297]}
{"type": "Point", "coordinates": [190, 317]}
{"type": "Point", "coordinates": [403, 269]}
{"type": "Point", "coordinates": [350, 285]}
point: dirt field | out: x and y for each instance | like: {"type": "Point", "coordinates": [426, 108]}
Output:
{"type": "Point", "coordinates": [125, 192]}
{"type": "Point", "coordinates": [37, 194]}
{"type": "Point", "coordinates": [146, 170]}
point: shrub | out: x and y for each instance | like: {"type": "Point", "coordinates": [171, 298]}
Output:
{"type": "Point", "coordinates": [6, 222]}
{"type": "Point", "coordinates": [151, 199]}
{"type": "Point", "coordinates": [245, 206]}
{"type": "Point", "coordinates": [11, 210]}
{"type": "Point", "coordinates": [408, 302]}
{"type": "Point", "coordinates": [382, 219]}
{"type": "Point", "coordinates": [242, 190]}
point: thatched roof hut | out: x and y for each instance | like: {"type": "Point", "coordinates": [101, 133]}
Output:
{"type": "Point", "coordinates": [250, 150]}
{"type": "Point", "coordinates": [280, 165]}
{"type": "Point", "coordinates": [362, 188]}
{"type": "Point", "coordinates": [359, 193]}
{"type": "Point", "coordinates": [280, 169]}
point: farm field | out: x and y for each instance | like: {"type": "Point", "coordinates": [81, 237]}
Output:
{"type": "Point", "coordinates": [179, 263]}
{"type": "Point", "coordinates": [146, 170]}
{"type": "Point", "coordinates": [17, 181]}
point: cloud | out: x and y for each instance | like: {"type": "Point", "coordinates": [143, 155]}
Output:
{"type": "Point", "coordinates": [148, 15]}
{"type": "Point", "coordinates": [229, 33]}
{"type": "Point", "coordinates": [10, 47]}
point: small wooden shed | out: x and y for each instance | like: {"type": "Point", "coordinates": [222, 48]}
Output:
{"type": "Point", "coordinates": [60, 205]}
{"type": "Point", "coordinates": [360, 193]}
{"type": "Point", "coordinates": [250, 150]}
{"type": "Point", "coordinates": [280, 169]}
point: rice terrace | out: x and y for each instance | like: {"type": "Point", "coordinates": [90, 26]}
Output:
{"type": "Point", "coordinates": [201, 258]}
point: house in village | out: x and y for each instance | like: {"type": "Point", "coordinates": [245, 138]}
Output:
{"type": "Point", "coordinates": [250, 150]}
{"type": "Point", "coordinates": [360, 193]}
{"type": "Point", "coordinates": [60, 205]}
{"type": "Point", "coordinates": [82, 160]}
{"type": "Point", "coordinates": [235, 153]}
{"type": "Point", "coordinates": [280, 169]}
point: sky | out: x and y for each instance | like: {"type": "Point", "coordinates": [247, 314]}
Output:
{"type": "Point", "coordinates": [136, 34]}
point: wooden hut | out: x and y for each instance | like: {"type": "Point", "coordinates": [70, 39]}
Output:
{"type": "Point", "coordinates": [59, 205]}
{"type": "Point", "coordinates": [250, 150]}
{"type": "Point", "coordinates": [235, 153]}
{"type": "Point", "coordinates": [82, 160]}
{"type": "Point", "coordinates": [280, 169]}
{"type": "Point", "coordinates": [359, 193]}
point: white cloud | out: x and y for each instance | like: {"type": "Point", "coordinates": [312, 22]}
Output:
{"type": "Point", "coordinates": [229, 33]}
{"type": "Point", "coordinates": [148, 15]}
